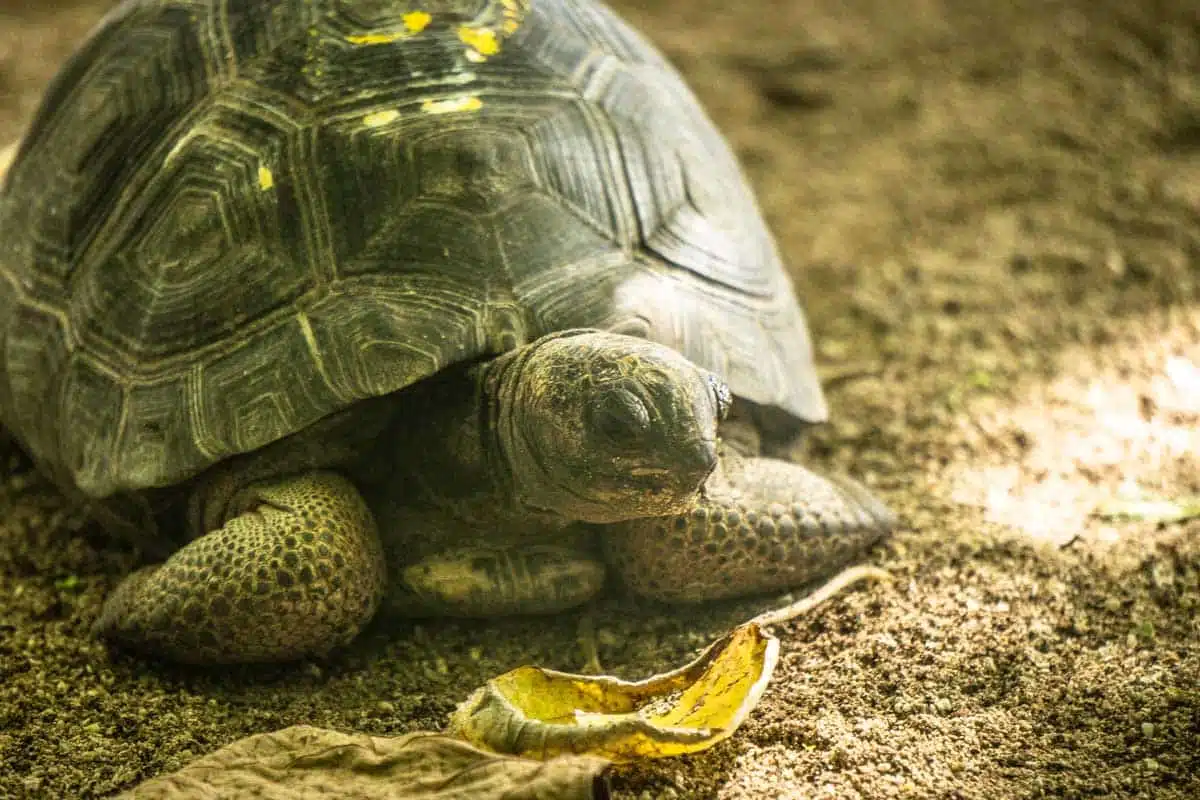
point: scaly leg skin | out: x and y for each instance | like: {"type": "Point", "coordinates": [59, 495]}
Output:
{"type": "Point", "coordinates": [296, 569]}
{"type": "Point", "coordinates": [760, 525]}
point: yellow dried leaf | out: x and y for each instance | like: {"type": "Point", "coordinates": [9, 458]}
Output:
{"type": "Point", "coordinates": [542, 713]}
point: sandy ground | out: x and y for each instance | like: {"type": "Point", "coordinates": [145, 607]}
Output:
{"type": "Point", "coordinates": [993, 214]}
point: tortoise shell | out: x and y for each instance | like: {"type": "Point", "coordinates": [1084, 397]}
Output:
{"type": "Point", "coordinates": [232, 218]}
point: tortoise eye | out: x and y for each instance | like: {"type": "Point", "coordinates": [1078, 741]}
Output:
{"type": "Point", "coordinates": [621, 416]}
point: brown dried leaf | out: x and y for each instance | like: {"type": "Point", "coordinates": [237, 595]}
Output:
{"type": "Point", "coordinates": [303, 761]}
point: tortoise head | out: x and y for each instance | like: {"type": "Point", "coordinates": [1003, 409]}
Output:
{"type": "Point", "coordinates": [602, 427]}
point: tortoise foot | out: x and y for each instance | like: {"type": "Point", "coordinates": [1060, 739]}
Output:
{"type": "Point", "coordinates": [295, 570]}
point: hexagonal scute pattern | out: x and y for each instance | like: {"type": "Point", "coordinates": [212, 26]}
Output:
{"type": "Point", "coordinates": [232, 218]}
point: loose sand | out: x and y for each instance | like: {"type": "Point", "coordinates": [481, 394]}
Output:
{"type": "Point", "coordinates": [993, 215]}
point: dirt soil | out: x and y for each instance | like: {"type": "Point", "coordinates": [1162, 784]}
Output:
{"type": "Point", "coordinates": [993, 215]}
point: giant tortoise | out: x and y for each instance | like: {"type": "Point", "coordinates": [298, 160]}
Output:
{"type": "Point", "coordinates": [449, 306]}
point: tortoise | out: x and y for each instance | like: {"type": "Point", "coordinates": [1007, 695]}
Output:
{"type": "Point", "coordinates": [445, 307]}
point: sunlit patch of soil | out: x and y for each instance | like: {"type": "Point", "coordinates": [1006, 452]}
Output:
{"type": "Point", "coordinates": [1124, 422]}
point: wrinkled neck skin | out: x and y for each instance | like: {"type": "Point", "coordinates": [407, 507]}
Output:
{"type": "Point", "coordinates": [446, 450]}
{"type": "Point", "coordinates": [517, 467]}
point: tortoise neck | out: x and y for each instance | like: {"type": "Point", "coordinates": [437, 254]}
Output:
{"type": "Point", "coordinates": [459, 442]}
{"type": "Point", "coordinates": [494, 422]}
{"type": "Point", "coordinates": [442, 438]}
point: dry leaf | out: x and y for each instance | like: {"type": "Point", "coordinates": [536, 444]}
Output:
{"type": "Point", "coordinates": [542, 713]}
{"type": "Point", "coordinates": [549, 715]}
{"type": "Point", "coordinates": [303, 762]}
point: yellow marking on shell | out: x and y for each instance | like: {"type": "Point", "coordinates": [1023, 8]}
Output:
{"type": "Point", "coordinates": [466, 102]}
{"type": "Point", "coordinates": [482, 41]}
{"type": "Point", "coordinates": [381, 118]}
{"type": "Point", "coordinates": [266, 179]}
{"type": "Point", "coordinates": [416, 21]}
{"type": "Point", "coordinates": [485, 38]}
{"type": "Point", "coordinates": [377, 38]}
{"type": "Point", "coordinates": [514, 15]}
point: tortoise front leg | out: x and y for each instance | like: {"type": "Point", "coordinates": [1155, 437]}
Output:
{"type": "Point", "coordinates": [760, 525]}
{"type": "Point", "coordinates": [295, 569]}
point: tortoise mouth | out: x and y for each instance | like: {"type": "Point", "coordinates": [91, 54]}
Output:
{"type": "Point", "coordinates": [633, 491]}
{"type": "Point", "coordinates": [686, 464]}
{"type": "Point", "coordinates": [672, 480]}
